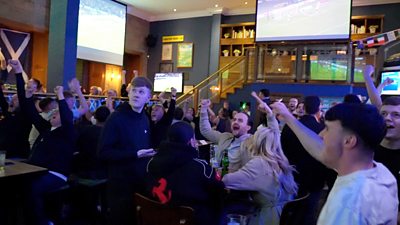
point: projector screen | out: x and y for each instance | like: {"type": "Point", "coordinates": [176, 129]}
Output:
{"type": "Point", "coordinates": [164, 82]}
{"type": "Point", "coordinates": [289, 20]}
{"type": "Point", "coordinates": [101, 31]}
{"type": "Point", "coordinates": [393, 88]}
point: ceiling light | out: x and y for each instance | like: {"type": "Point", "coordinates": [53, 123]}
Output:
{"type": "Point", "coordinates": [216, 5]}
{"type": "Point", "coordinates": [245, 3]}
{"type": "Point", "coordinates": [174, 10]}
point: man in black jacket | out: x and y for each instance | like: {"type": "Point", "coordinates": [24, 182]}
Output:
{"type": "Point", "coordinates": [125, 145]}
{"type": "Point", "coordinates": [311, 174]}
{"type": "Point", "coordinates": [53, 149]}
{"type": "Point", "coordinates": [176, 176]}
{"type": "Point", "coordinates": [14, 126]}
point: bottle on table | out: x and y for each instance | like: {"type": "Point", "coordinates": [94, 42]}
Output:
{"type": "Point", "coordinates": [225, 163]}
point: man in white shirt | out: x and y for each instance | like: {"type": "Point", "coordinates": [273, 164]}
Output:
{"type": "Point", "coordinates": [365, 192]}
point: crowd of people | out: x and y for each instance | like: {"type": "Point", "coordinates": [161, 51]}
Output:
{"type": "Point", "coordinates": [290, 151]}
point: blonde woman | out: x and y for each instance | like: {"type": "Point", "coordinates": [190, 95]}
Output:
{"type": "Point", "coordinates": [267, 172]}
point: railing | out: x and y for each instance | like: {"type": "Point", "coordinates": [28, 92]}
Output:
{"type": "Point", "coordinates": [225, 80]}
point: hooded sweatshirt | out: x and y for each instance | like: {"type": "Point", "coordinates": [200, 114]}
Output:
{"type": "Point", "coordinates": [185, 180]}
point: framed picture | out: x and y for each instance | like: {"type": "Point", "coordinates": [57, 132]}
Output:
{"type": "Point", "coordinates": [185, 55]}
{"type": "Point", "coordinates": [166, 67]}
{"type": "Point", "coordinates": [166, 53]}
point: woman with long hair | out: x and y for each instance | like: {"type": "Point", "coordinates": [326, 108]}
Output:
{"type": "Point", "coordinates": [267, 172]}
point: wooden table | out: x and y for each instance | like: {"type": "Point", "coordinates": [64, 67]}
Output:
{"type": "Point", "coordinates": [15, 168]}
{"type": "Point", "coordinates": [13, 179]}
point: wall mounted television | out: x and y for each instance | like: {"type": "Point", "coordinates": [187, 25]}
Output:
{"type": "Point", "coordinates": [164, 82]}
{"type": "Point", "coordinates": [295, 20]}
{"type": "Point", "coordinates": [329, 68]}
{"type": "Point", "coordinates": [393, 88]}
{"type": "Point", "coordinates": [101, 31]}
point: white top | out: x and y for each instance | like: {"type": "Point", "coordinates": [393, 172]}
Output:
{"type": "Point", "coordinates": [362, 197]}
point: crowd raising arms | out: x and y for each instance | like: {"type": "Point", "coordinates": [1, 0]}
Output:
{"type": "Point", "coordinates": [346, 145]}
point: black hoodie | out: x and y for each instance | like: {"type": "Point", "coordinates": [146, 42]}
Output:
{"type": "Point", "coordinates": [124, 134]}
{"type": "Point", "coordinates": [189, 181]}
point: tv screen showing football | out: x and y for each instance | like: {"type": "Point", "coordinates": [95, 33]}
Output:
{"type": "Point", "coordinates": [290, 20]}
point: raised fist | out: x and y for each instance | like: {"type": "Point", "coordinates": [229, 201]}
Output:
{"type": "Point", "coordinates": [173, 91]}
{"type": "Point", "coordinates": [58, 90]}
{"type": "Point", "coordinates": [15, 65]}
{"type": "Point", "coordinates": [74, 85]}
{"type": "Point", "coordinates": [205, 104]}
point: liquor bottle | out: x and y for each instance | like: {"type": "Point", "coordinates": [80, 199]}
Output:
{"type": "Point", "coordinates": [225, 163]}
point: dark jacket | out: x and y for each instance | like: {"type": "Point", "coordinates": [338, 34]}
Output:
{"type": "Point", "coordinates": [311, 174]}
{"type": "Point", "coordinates": [159, 130]}
{"type": "Point", "coordinates": [86, 162]}
{"type": "Point", "coordinates": [53, 149]}
{"type": "Point", "coordinates": [124, 134]}
{"type": "Point", "coordinates": [390, 158]}
{"type": "Point", "coordinates": [189, 181]}
{"type": "Point", "coordinates": [14, 131]}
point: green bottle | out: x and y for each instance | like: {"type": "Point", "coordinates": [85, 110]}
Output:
{"type": "Point", "coordinates": [225, 163]}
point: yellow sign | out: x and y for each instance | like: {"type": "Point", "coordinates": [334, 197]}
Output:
{"type": "Point", "coordinates": [174, 38]}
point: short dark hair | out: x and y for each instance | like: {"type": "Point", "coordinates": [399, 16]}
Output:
{"type": "Point", "coordinates": [38, 83]}
{"type": "Point", "coordinates": [392, 100]}
{"type": "Point", "coordinates": [102, 113]}
{"type": "Point", "coordinates": [265, 92]}
{"type": "Point", "coordinates": [351, 98]}
{"type": "Point", "coordinates": [362, 119]}
{"type": "Point", "coordinates": [311, 104]}
{"type": "Point", "coordinates": [180, 132]}
{"type": "Point", "coordinates": [142, 82]}
{"type": "Point", "coordinates": [43, 103]}
{"type": "Point", "coordinates": [178, 113]}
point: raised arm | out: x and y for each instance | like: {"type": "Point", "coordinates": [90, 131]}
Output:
{"type": "Point", "coordinates": [310, 140]}
{"type": "Point", "coordinates": [29, 109]}
{"type": "Point", "coordinates": [3, 102]}
{"type": "Point", "coordinates": [373, 93]}
{"type": "Point", "coordinates": [205, 127]}
{"type": "Point", "coordinates": [76, 88]}
{"type": "Point", "coordinates": [65, 113]}
{"type": "Point", "coordinates": [264, 108]}
{"type": "Point", "coordinates": [169, 116]}
{"type": "Point", "coordinates": [3, 68]}
{"type": "Point", "coordinates": [22, 94]}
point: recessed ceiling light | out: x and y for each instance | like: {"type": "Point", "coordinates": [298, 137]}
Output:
{"type": "Point", "coordinates": [174, 10]}
{"type": "Point", "coordinates": [245, 3]}
{"type": "Point", "coordinates": [216, 5]}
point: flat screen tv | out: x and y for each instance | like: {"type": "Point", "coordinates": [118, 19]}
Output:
{"type": "Point", "coordinates": [101, 31]}
{"type": "Point", "coordinates": [328, 68]}
{"type": "Point", "coordinates": [393, 88]}
{"type": "Point", "coordinates": [292, 20]}
{"type": "Point", "coordinates": [164, 82]}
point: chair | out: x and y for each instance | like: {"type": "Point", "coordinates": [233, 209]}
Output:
{"type": "Point", "coordinates": [288, 211]}
{"type": "Point", "coordinates": [89, 198]}
{"type": "Point", "coordinates": [149, 212]}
